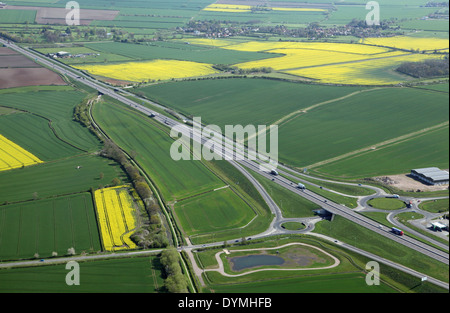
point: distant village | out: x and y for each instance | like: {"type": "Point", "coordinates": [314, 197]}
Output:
{"type": "Point", "coordinates": [222, 29]}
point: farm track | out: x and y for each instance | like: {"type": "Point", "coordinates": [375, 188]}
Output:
{"type": "Point", "coordinates": [286, 119]}
{"type": "Point", "coordinates": [379, 145]}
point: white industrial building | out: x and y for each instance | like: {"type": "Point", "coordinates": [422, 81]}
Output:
{"type": "Point", "coordinates": [431, 176]}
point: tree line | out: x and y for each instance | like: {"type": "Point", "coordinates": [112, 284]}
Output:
{"type": "Point", "coordinates": [152, 233]}
{"type": "Point", "coordinates": [175, 281]}
{"type": "Point", "coordinates": [426, 69]}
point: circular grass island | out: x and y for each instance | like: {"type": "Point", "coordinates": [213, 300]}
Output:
{"type": "Point", "coordinates": [293, 226]}
{"type": "Point", "coordinates": [386, 203]}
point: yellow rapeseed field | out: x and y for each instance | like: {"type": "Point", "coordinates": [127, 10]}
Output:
{"type": "Point", "coordinates": [115, 207]}
{"type": "Point", "coordinates": [151, 70]}
{"type": "Point", "coordinates": [210, 42]}
{"type": "Point", "coordinates": [259, 46]}
{"type": "Point", "coordinates": [338, 63]}
{"type": "Point", "coordinates": [13, 156]}
{"type": "Point", "coordinates": [238, 8]}
{"type": "Point", "coordinates": [231, 8]}
{"type": "Point", "coordinates": [362, 73]}
{"type": "Point", "coordinates": [298, 58]}
{"type": "Point", "coordinates": [409, 43]}
{"type": "Point", "coordinates": [299, 9]}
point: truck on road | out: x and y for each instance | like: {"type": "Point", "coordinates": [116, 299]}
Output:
{"type": "Point", "coordinates": [397, 231]}
{"type": "Point", "coordinates": [301, 186]}
{"type": "Point", "coordinates": [274, 172]}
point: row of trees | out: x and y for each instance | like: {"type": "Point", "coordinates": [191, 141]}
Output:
{"type": "Point", "coordinates": [426, 69]}
{"type": "Point", "coordinates": [240, 71]}
{"type": "Point", "coordinates": [175, 281]}
{"type": "Point", "coordinates": [152, 233]}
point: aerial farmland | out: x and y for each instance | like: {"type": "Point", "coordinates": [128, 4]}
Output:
{"type": "Point", "coordinates": [117, 176]}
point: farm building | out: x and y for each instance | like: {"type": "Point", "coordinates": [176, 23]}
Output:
{"type": "Point", "coordinates": [63, 54]}
{"type": "Point", "coordinates": [431, 175]}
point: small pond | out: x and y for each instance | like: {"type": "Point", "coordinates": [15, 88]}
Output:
{"type": "Point", "coordinates": [244, 262]}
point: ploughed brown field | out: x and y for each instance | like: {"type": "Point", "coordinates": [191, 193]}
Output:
{"type": "Point", "coordinates": [21, 77]}
{"type": "Point", "coordinates": [58, 15]}
{"type": "Point", "coordinates": [16, 60]}
{"type": "Point", "coordinates": [7, 51]}
{"type": "Point", "coordinates": [17, 70]}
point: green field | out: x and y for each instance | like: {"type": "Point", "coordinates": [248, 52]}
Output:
{"type": "Point", "coordinates": [33, 133]}
{"type": "Point", "coordinates": [213, 212]}
{"type": "Point", "coordinates": [241, 101]}
{"type": "Point", "coordinates": [96, 57]}
{"type": "Point", "coordinates": [416, 152]}
{"type": "Point", "coordinates": [435, 206]}
{"type": "Point", "coordinates": [132, 132]}
{"type": "Point", "coordinates": [178, 51]}
{"type": "Point", "coordinates": [355, 235]}
{"type": "Point", "coordinates": [345, 13]}
{"type": "Point", "coordinates": [58, 178]}
{"type": "Point", "coordinates": [387, 204]}
{"type": "Point", "coordinates": [129, 275]}
{"type": "Point", "coordinates": [359, 122]}
{"type": "Point", "coordinates": [17, 16]}
{"type": "Point", "coordinates": [334, 283]}
{"type": "Point", "coordinates": [333, 125]}
{"type": "Point", "coordinates": [58, 107]}
{"type": "Point", "coordinates": [37, 229]}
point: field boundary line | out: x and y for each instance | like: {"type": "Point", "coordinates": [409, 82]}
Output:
{"type": "Point", "coordinates": [347, 62]}
{"type": "Point", "coordinates": [88, 221]}
{"type": "Point", "coordinates": [69, 212]}
{"type": "Point", "coordinates": [305, 110]}
{"type": "Point", "coordinates": [19, 231]}
{"type": "Point", "coordinates": [379, 145]}
{"type": "Point", "coordinates": [21, 153]}
{"type": "Point", "coordinates": [50, 122]}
